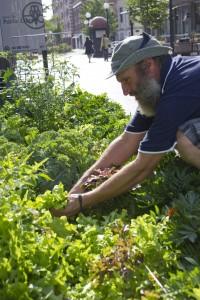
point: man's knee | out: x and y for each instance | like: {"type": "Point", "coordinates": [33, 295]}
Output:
{"type": "Point", "coordinates": [180, 137]}
{"type": "Point", "coordinates": [182, 141]}
{"type": "Point", "coordinates": [189, 132]}
{"type": "Point", "coordinates": [187, 150]}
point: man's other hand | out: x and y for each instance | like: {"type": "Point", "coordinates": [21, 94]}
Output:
{"type": "Point", "coordinates": [73, 207]}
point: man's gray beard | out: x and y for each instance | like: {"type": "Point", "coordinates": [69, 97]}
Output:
{"type": "Point", "coordinates": [148, 95]}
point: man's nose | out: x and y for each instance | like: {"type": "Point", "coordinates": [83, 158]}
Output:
{"type": "Point", "coordinates": [125, 90]}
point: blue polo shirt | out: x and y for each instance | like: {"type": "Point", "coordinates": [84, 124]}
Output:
{"type": "Point", "coordinates": [179, 102]}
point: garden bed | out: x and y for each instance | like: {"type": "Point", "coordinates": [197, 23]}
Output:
{"type": "Point", "coordinates": [141, 245]}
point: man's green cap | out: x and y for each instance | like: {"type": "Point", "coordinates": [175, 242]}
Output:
{"type": "Point", "coordinates": [134, 49]}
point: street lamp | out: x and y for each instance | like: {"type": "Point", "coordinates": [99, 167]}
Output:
{"type": "Point", "coordinates": [88, 16]}
{"type": "Point", "coordinates": [87, 21]}
{"type": "Point", "coordinates": [106, 7]}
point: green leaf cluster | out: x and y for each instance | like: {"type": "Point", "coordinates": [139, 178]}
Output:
{"type": "Point", "coordinates": [151, 13]}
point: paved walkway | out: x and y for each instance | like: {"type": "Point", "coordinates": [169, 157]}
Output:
{"type": "Point", "coordinates": [93, 79]}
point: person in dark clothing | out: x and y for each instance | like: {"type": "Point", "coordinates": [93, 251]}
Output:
{"type": "Point", "coordinates": [88, 48]}
{"type": "Point", "coordinates": [167, 91]}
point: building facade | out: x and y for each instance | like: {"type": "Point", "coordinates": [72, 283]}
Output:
{"type": "Point", "coordinates": [64, 17]}
{"type": "Point", "coordinates": [67, 13]}
{"type": "Point", "coordinates": [125, 27]}
{"type": "Point", "coordinates": [186, 17]}
{"type": "Point", "coordinates": [185, 20]}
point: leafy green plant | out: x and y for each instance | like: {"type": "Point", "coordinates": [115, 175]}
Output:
{"type": "Point", "coordinates": [141, 245]}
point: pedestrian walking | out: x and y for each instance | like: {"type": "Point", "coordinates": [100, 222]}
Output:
{"type": "Point", "coordinates": [166, 89]}
{"type": "Point", "coordinates": [105, 43]}
{"type": "Point", "coordinates": [88, 48]}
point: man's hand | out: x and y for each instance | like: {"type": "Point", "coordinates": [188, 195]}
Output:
{"type": "Point", "coordinates": [77, 189]}
{"type": "Point", "coordinates": [72, 208]}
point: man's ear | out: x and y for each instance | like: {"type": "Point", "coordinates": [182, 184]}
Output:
{"type": "Point", "coordinates": [150, 67]}
{"type": "Point", "coordinates": [147, 62]}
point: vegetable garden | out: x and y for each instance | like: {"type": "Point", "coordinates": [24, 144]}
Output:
{"type": "Point", "coordinates": [142, 245]}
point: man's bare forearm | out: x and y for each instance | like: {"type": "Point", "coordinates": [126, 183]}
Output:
{"type": "Point", "coordinates": [118, 152]}
{"type": "Point", "coordinates": [121, 182]}
{"type": "Point", "coordinates": [128, 177]}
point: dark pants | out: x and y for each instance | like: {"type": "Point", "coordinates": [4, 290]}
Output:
{"type": "Point", "coordinates": [105, 53]}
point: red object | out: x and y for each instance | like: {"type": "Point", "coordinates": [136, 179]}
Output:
{"type": "Point", "coordinates": [98, 23]}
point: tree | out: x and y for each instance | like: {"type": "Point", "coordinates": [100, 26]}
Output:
{"type": "Point", "coordinates": [151, 13]}
{"type": "Point", "coordinates": [95, 7]}
{"type": "Point", "coordinates": [54, 26]}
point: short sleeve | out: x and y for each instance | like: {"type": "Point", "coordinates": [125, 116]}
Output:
{"type": "Point", "coordinates": [171, 113]}
{"type": "Point", "coordinates": [139, 123]}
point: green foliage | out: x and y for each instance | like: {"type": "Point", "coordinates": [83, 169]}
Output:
{"type": "Point", "coordinates": [81, 108]}
{"type": "Point", "coordinates": [67, 153]}
{"type": "Point", "coordinates": [54, 40]}
{"type": "Point", "coordinates": [141, 245]}
{"type": "Point", "coordinates": [52, 25]}
{"type": "Point", "coordinates": [151, 13]}
{"type": "Point", "coordinates": [54, 28]}
{"type": "Point", "coordinates": [61, 48]}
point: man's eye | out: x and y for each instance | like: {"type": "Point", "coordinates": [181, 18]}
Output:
{"type": "Point", "coordinates": [126, 80]}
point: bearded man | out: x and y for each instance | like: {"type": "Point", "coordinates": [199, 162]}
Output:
{"type": "Point", "coordinates": [167, 90]}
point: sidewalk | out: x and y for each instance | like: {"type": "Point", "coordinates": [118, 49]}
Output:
{"type": "Point", "coordinates": [93, 79]}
